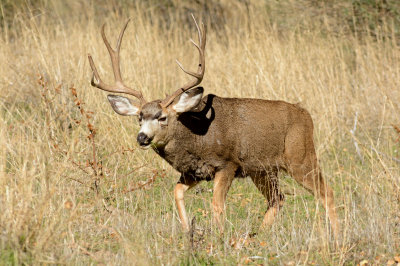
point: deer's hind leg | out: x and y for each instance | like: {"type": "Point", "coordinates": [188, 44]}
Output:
{"type": "Point", "coordinates": [302, 165]}
{"type": "Point", "coordinates": [268, 185]}
{"type": "Point", "coordinates": [311, 179]}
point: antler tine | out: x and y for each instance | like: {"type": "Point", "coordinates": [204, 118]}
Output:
{"type": "Point", "coordinates": [198, 30]}
{"type": "Point", "coordinates": [119, 86]}
{"type": "Point", "coordinates": [201, 67]}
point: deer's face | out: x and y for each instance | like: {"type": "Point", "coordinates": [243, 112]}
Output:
{"type": "Point", "coordinates": [154, 119]}
{"type": "Point", "coordinates": [154, 116]}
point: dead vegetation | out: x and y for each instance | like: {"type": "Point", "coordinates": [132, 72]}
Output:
{"type": "Point", "coordinates": [75, 188]}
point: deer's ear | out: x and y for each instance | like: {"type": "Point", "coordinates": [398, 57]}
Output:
{"type": "Point", "coordinates": [123, 105]}
{"type": "Point", "coordinates": [188, 100]}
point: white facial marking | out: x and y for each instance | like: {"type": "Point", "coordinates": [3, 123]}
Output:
{"type": "Point", "coordinates": [149, 127]}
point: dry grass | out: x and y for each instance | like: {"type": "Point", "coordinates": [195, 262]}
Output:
{"type": "Point", "coordinates": [61, 203]}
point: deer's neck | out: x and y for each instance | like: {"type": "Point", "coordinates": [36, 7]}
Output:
{"type": "Point", "coordinates": [183, 151]}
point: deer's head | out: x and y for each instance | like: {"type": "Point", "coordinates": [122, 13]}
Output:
{"type": "Point", "coordinates": [153, 116]}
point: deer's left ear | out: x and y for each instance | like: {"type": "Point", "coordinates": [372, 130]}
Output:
{"type": "Point", "coordinates": [188, 100]}
{"type": "Point", "coordinates": [123, 105]}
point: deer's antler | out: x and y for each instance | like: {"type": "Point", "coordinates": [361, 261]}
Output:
{"type": "Point", "coordinates": [119, 85]}
{"type": "Point", "coordinates": [201, 67]}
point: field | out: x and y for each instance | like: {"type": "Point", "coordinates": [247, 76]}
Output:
{"type": "Point", "coordinates": [75, 188]}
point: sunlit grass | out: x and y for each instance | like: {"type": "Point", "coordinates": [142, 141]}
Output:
{"type": "Point", "coordinates": [54, 208]}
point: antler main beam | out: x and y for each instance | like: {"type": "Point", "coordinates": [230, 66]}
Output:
{"type": "Point", "coordinates": [201, 67]}
{"type": "Point", "coordinates": [119, 86]}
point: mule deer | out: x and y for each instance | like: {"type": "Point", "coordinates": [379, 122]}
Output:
{"type": "Point", "coordinates": [215, 138]}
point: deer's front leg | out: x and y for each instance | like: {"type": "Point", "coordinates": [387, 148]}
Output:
{"type": "Point", "coordinates": [183, 185]}
{"type": "Point", "coordinates": [222, 182]}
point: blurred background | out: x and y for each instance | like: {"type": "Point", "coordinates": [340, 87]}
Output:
{"type": "Point", "coordinates": [76, 189]}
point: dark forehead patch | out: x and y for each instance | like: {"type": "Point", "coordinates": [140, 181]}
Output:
{"type": "Point", "coordinates": [158, 115]}
{"type": "Point", "coordinates": [151, 110]}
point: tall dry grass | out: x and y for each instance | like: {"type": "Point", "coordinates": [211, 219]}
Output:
{"type": "Point", "coordinates": [72, 177]}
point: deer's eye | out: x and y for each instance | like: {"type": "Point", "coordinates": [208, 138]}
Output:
{"type": "Point", "coordinates": [162, 119]}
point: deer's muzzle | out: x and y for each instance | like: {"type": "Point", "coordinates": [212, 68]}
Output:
{"type": "Point", "coordinates": [143, 139]}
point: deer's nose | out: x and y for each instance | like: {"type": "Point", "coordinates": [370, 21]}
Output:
{"type": "Point", "coordinates": [143, 139]}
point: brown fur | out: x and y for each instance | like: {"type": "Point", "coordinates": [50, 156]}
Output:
{"type": "Point", "coordinates": [224, 138]}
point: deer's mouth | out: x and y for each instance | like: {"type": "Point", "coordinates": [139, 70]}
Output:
{"type": "Point", "coordinates": [145, 146]}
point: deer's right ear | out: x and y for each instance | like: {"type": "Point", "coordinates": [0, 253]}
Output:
{"type": "Point", "coordinates": [123, 105]}
{"type": "Point", "coordinates": [188, 100]}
